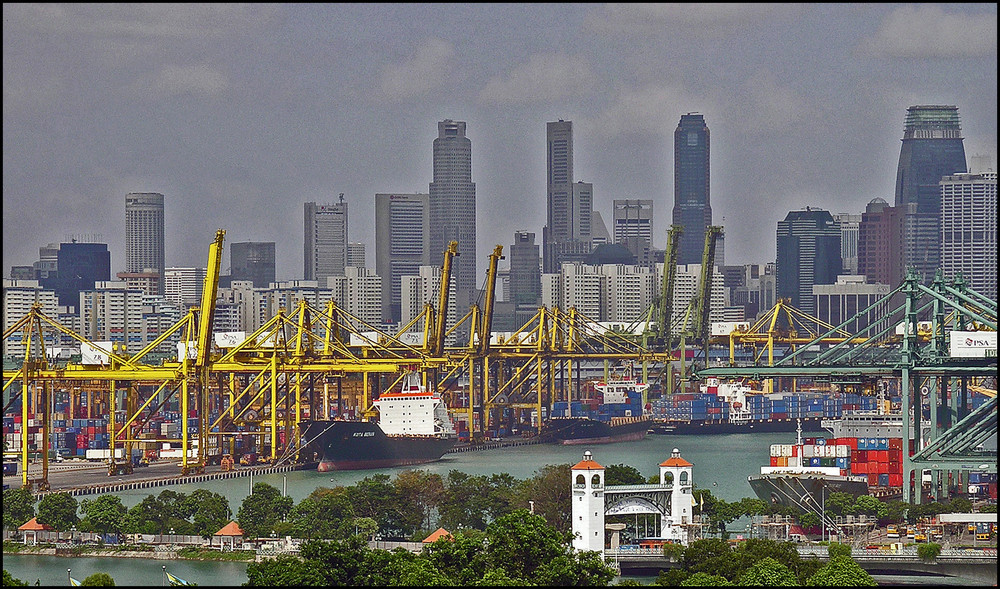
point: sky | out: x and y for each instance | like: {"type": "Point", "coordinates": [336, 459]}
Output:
{"type": "Point", "coordinates": [239, 114]}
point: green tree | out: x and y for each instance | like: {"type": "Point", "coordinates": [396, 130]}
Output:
{"type": "Point", "coordinates": [462, 559]}
{"type": "Point", "coordinates": [376, 497]}
{"type": "Point", "coordinates": [961, 505]}
{"type": "Point", "coordinates": [672, 577]}
{"type": "Point", "coordinates": [839, 503]}
{"type": "Point", "coordinates": [98, 580]}
{"type": "Point", "coordinates": [991, 508]}
{"type": "Point", "coordinates": [419, 494]}
{"type": "Point", "coordinates": [284, 571]}
{"type": "Point", "coordinates": [754, 551]}
{"type": "Point", "coordinates": [673, 550]}
{"type": "Point", "coordinates": [58, 510]}
{"type": "Point", "coordinates": [705, 580]}
{"type": "Point", "coordinates": [18, 508]}
{"type": "Point", "coordinates": [810, 521]}
{"type": "Point", "coordinates": [551, 496]}
{"type": "Point", "coordinates": [769, 573]}
{"type": "Point", "coordinates": [621, 474]}
{"type": "Point", "coordinates": [208, 511]}
{"type": "Point", "coordinates": [104, 515]}
{"type": "Point", "coordinates": [841, 571]}
{"type": "Point", "coordinates": [712, 556]}
{"type": "Point", "coordinates": [868, 505]}
{"type": "Point", "coordinates": [261, 510]}
{"type": "Point", "coordinates": [12, 581]}
{"type": "Point", "coordinates": [928, 552]}
{"type": "Point", "coordinates": [836, 548]}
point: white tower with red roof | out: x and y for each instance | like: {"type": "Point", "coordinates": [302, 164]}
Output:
{"type": "Point", "coordinates": [677, 471]}
{"type": "Point", "coordinates": [588, 504]}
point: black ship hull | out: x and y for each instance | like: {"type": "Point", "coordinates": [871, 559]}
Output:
{"type": "Point", "coordinates": [806, 491]}
{"type": "Point", "coordinates": [583, 430]}
{"type": "Point", "coordinates": [359, 445]}
{"type": "Point", "coordinates": [810, 424]}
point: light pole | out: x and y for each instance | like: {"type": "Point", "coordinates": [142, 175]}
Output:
{"type": "Point", "coordinates": [823, 522]}
{"type": "Point", "coordinates": [172, 539]}
{"type": "Point", "coordinates": [72, 535]}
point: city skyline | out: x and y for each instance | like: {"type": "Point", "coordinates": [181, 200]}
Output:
{"type": "Point", "coordinates": [240, 114]}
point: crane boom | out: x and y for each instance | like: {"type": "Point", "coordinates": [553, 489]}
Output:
{"type": "Point", "coordinates": [667, 292]}
{"type": "Point", "coordinates": [491, 283]}
{"type": "Point", "coordinates": [701, 330]}
{"type": "Point", "coordinates": [442, 310]}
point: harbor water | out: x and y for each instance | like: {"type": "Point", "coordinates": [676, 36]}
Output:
{"type": "Point", "coordinates": [722, 464]}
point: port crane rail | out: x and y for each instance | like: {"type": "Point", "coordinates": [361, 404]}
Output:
{"type": "Point", "coordinates": [922, 364]}
{"type": "Point", "coordinates": [262, 387]}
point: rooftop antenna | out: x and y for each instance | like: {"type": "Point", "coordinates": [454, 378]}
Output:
{"type": "Point", "coordinates": [341, 198]}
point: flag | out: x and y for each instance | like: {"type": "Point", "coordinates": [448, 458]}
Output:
{"type": "Point", "coordinates": [176, 580]}
{"type": "Point", "coordinates": [73, 582]}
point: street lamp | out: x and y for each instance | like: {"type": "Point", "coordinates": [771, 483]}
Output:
{"type": "Point", "coordinates": [172, 539]}
{"type": "Point", "coordinates": [72, 535]}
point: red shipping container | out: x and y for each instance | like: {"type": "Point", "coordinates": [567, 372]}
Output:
{"type": "Point", "coordinates": [853, 443]}
{"type": "Point", "coordinates": [883, 468]}
{"type": "Point", "coordinates": [896, 468]}
{"type": "Point", "coordinates": [895, 456]}
{"type": "Point", "coordinates": [896, 444]}
{"type": "Point", "coordinates": [795, 450]}
{"type": "Point", "coordinates": [859, 467]}
{"type": "Point", "coordinates": [873, 480]}
{"type": "Point", "coordinates": [895, 480]}
{"type": "Point", "coordinates": [859, 456]}
{"type": "Point", "coordinates": [774, 461]}
{"type": "Point", "coordinates": [993, 490]}
{"type": "Point", "coordinates": [883, 455]}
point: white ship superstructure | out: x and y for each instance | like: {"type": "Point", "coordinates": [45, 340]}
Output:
{"type": "Point", "coordinates": [413, 411]}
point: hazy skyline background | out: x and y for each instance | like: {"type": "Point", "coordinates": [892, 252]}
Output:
{"type": "Point", "coordinates": [238, 114]}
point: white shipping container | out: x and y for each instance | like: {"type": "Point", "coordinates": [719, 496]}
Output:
{"type": "Point", "coordinates": [808, 450]}
{"type": "Point", "coordinates": [775, 450]}
{"type": "Point", "coordinates": [786, 449]}
{"type": "Point", "coordinates": [843, 451]}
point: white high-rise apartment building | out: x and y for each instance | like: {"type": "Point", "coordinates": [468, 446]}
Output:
{"type": "Point", "coordinates": [608, 292]}
{"type": "Point", "coordinates": [325, 240]}
{"type": "Point", "coordinates": [423, 288]}
{"type": "Point", "coordinates": [359, 293]}
{"type": "Point", "coordinates": [286, 295]}
{"type": "Point", "coordinates": [145, 241]}
{"type": "Point", "coordinates": [113, 312]}
{"type": "Point", "coordinates": [356, 254]}
{"type": "Point", "coordinates": [183, 286]}
{"type": "Point", "coordinates": [18, 298]}
{"type": "Point", "coordinates": [402, 244]}
{"type": "Point", "coordinates": [969, 230]}
{"type": "Point", "coordinates": [686, 288]}
{"type": "Point", "coordinates": [850, 227]}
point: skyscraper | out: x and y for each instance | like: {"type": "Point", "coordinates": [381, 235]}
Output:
{"type": "Point", "coordinates": [145, 234]}
{"type": "Point", "coordinates": [692, 203]}
{"type": "Point", "coordinates": [453, 203]}
{"type": "Point", "coordinates": [402, 244]}
{"type": "Point", "coordinates": [880, 243]}
{"type": "Point", "coordinates": [932, 148]}
{"type": "Point", "coordinates": [569, 205]}
{"type": "Point", "coordinates": [254, 261]}
{"type": "Point", "coordinates": [969, 230]}
{"type": "Point", "coordinates": [325, 240]}
{"type": "Point", "coordinates": [808, 254]}
{"type": "Point", "coordinates": [79, 267]}
{"type": "Point", "coordinates": [525, 273]}
{"type": "Point", "coordinates": [850, 224]}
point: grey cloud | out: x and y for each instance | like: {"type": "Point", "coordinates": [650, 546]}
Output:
{"type": "Point", "coordinates": [653, 18]}
{"type": "Point", "coordinates": [544, 77]}
{"type": "Point", "coordinates": [929, 31]}
{"type": "Point", "coordinates": [192, 79]}
{"type": "Point", "coordinates": [420, 74]}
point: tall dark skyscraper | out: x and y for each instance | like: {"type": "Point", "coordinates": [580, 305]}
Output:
{"type": "Point", "coordinates": [79, 266]}
{"type": "Point", "coordinates": [252, 260]}
{"type": "Point", "coordinates": [569, 205]}
{"type": "Point", "coordinates": [525, 274]}
{"type": "Point", "coordinates": [145, 236]}
{"type": "Point", "coordinates": [808, 254]}
{"type": "Point", "coordinates": [692, 203]}
{"type": "Point", "coordinates": [932, 148]}
{"type": "Point", "coordinates": [453, 203]}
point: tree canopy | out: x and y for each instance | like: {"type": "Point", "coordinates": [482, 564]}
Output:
{"type": "Point", "coordinates": [841, 571]}
{"type": "Point", "coordinates": [261, 510]}
{"type": "Point", "coordinates": [58, 510]}
{"type": "Point", "coordinates": [18, 508]}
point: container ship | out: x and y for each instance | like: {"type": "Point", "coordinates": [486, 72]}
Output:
{"type": "Point", "coordinates": [618, 414]}
{"type": "Point", "coordinates": [413, 427]}
{"type": "Point", "coordinates": [731, 408]}
{"type": "Point", "coordinates": [864, 455]}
